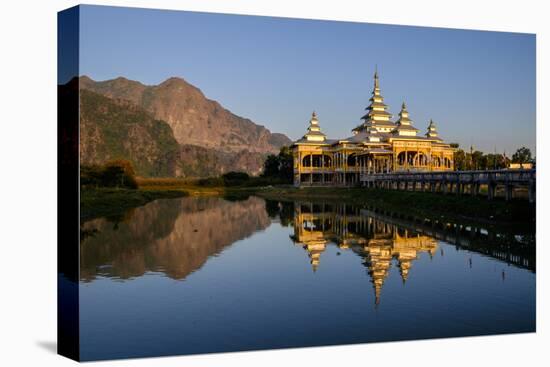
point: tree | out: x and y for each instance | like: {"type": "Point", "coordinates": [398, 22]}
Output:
{"type": "Point", "coordinates": [119, 173]}
{"type": "Point", "coordinates": [522, 155]}
{"type": "Point", "coordinates": [478, 160]}
{"type": "Point", "coordinates": [114, 173]}
{"type": "Point", "coordinates": [235, 178]}
{"type": "Point", "coordinates": [279, 166]}
{"type": "Point", "coordinates": [286, 164]}
{"type": "Point", "coordinates": [271, 166]}
{"type": "Point", "coordinates": [460, 160]}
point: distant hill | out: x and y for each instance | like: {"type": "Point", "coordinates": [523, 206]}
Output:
{"type": "Point", "coordinates": [116, 128]}
{"type": "Point", "coordinates": [194, 119]}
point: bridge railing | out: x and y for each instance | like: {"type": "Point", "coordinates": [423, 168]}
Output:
{"type": "Point", "coordinates": [458, 181]}
{"type": "Point", "coordinates": [520, 175]}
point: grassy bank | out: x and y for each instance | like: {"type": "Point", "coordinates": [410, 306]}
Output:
{"type": "Point", "coordinates": [113, 203]}
{"type": "Point", "coordinates": [416, 203]}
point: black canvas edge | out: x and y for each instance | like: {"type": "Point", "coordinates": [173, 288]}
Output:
{"type": "Point", "coordinates": [68, 203]}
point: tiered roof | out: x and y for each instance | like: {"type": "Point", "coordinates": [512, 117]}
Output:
{"type": "Point", "coordinates": [404, 124]}
{"type": "Point", "coordinates": [377, 129]}
{"type": "Point", "coordinates": [377, 118]}
{"type": "Point", "coordinates": [314, 133]}
{"type": "Point", "coordinates": [432, 131]}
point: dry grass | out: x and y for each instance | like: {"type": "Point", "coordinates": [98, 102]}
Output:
{"type": "Point", "coordinates": [190, 186]}
{"type": "Point", "coordinates": [164, 182]}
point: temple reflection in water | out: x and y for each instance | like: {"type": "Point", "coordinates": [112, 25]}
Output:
{"type": "Point", "coordinates": [351, 228]}
{"type": "Point", "coordinates": [178, 237]}
{"type": "Point", "coordinates": [202, 274]}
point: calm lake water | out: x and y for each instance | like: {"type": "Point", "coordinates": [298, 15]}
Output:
{"type": "Point", "coordinates": [198, 275]}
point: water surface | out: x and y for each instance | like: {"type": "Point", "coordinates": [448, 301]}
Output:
{"type": "Point", "coordinates": [198, 275]}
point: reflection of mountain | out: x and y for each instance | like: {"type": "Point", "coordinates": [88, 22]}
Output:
{"type": "Point", "coordinates": [172, 236]}
{"type": "Point", "coordinates": [380, 237]}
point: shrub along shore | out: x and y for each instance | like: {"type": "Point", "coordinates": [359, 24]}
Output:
{"type": "Point", "coordinates": [114, 203]}
{"type": "Point", "coordinates": [112, 189]}
{"type": "Point", "coordinates": [418, 204]}
{"type": "Point", "coordinates": [415, 203]}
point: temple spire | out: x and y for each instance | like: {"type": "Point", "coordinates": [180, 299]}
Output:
{"type": "Point", "coordinates": [377, 118]}
{"type": "Point", "coordinates": [404, 123]}
{"type": "Point", "coordinates": [432, 131]}
{"type": "Point", "coordinates": [314, 132]}
{"type": "Point", "coordinates": [404, 266]}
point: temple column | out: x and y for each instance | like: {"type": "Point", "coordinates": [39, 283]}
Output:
{"type": "Point", "coordinates": [323, 169]}
{"type": "Point", "coordinates": [300, 165]}
{"type": "Point", "coordinates": [369, 164]}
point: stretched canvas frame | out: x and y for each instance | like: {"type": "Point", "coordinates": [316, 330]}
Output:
{"type": "Point", "coordinates": [70, 235]}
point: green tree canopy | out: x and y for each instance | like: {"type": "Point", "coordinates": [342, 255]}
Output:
{"type": "Point", "coordinates": [522, 155]}
{"type": "Point", "coordinates": [114, 173]}
{"type": "Point", "coordinates": [279, 166]}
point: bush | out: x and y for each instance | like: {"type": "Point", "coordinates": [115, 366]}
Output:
{"type": "Point", "coordinates": [115, 173]}
{"type": "Point", "coordinates": [91, 176]}
{"type": "Point", "coordinates": [210, 182]}
{"type": "Point", "coordinates": [280, 167]}
{"type": "Point", "coordinates": [235, 178]}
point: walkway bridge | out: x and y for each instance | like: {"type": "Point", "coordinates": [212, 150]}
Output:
{"type": "Point", "coordinates": [458, 182]}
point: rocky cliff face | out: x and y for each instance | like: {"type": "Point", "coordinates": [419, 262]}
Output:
{"type": "Point", "coordinates": [198, 161]}
{"type": "Point", "coordinates": [115, 128]}
{"type": "Point", "coordinates": [194, 119]}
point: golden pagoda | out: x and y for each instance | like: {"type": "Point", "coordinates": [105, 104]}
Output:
{"type": "Point", "coordinates": [377, 145]}
{"type": "Point", "coordinates": [377, 118]}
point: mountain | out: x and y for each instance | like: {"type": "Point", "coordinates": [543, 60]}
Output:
{"type": "Point", "coordinates": [194, 119]}
{"type": "Point", "coordinates": [197, 161]}
{"type": "Point", "coordinates": [117, 128]}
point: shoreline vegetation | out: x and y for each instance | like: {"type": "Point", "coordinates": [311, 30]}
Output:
{"type": "Point", "coordinates": [115, 202]}
{"type": "Point", "coordinates": [112, 189]}
{"type": "Point", "coordinates": [420, 204]}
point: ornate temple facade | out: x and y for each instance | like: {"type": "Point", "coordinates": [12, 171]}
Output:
{"type": "Point", "coordinates": [378, 145]}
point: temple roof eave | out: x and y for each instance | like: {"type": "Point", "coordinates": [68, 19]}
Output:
{"type": "Point", "coordinates": [376, 104]}
{"type": "Point", "coordinates": [304, 141]}
{"type": "Point", "coordinates": [406, 127]}
{"type": "Point", "coordinates": [374, 113]}
{"type": "Point", "coordinates": [317, 133]}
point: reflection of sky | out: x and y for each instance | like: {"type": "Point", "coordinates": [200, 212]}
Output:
{"type": "Point", "coordinates": [262, 293]}
{"type": "Point", "coordinates": [478, 86]}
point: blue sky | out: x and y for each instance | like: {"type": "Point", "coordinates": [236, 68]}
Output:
{"type": "Point", "coordinates": [479, 87]}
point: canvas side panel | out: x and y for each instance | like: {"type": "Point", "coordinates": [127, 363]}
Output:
{"type": "Point", "coordinates": [68, 226]}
